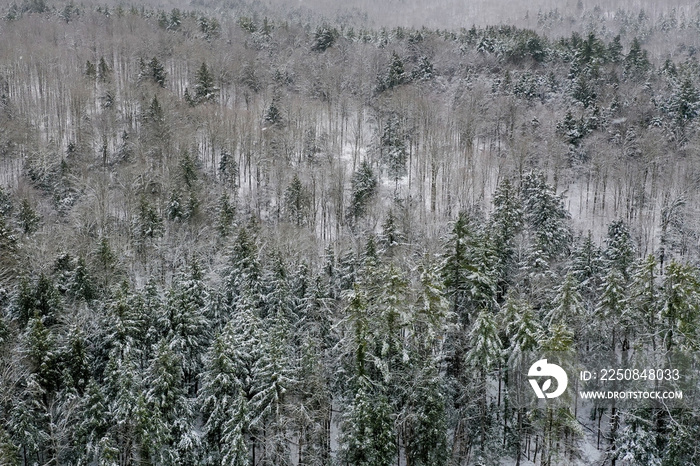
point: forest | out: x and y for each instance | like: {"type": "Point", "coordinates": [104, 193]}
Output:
{"type": "Point", "coordinates": [267, 233]}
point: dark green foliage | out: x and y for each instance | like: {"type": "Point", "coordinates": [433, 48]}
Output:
{"type": "Point", "coordinates": [28, 217]}
{"type": "Point", "coordinates": [90, 70]}
{"type": "Point", "coordinates": [228, 169]}
{"type": "Point", "coordinates": [297, 202]}
{"type": "Point", "coordinates": [395, 74]}
{"type": "Point", "coordinates": [368, 431]}
{"type": "Point", "coordinates": [272, 115]}
{"type": "Point", "coordinates": [82, 286]}
{"type": "Point", "coordinates": [391, 236]}
{"type": "Point", "coordinates": [684, 103]}
{"type": "Point", "coordinates": [8, 252]}
{"type": "Point", "coordinates": [409, 338]}
{"type": "Point", "coordinates": [226, 216]}
{"type": "Point", "coordinates": [154, 71]}
{"type": "Point", "coordinates": [469, 269]}
{"type": "Point", "coordinates": [364, 188]}
{"type": "Point", "coordinates": [148, 224]}
{"type": "Point", "coordinates": [615, 49]}
{"type": "Point", "coordinates": [324, 38]}
{"type": "Point", "coordinates": [204, 90]}
{"type": "Point", "coordinates": [620, 249]}
{"type": "Point", "coordinates": [636, 62]}
{"type": "Point", "coordinates": [103, 70]}
{"type": "Point", "coordinates": [393, 148]}
{"type": "Point", "coordinates": [545, 216]}
{"type": "Point", "coordinates": [210, 27]}
{"type": "Point", "coordinates": [42, 301]}
{"type": "Point", "coordinates": [506, 222]}
{"type": "Point", "coordinates": [424, 71]}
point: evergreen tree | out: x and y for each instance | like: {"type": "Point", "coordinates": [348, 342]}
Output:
{"type": "Point", "coordinates": [567, 307]}
{"type": "Point", "coordinates": [185, 326]}
{"type": "Point", "coordinates": [469, 270]}
{"type": "Point", "coordinates": [147, 225]}
{"type": "Point", "coordinates": [546, 218]}
{"type": "Point", "coordinates": [424, 71]}
{"type": "Point", "coordinates": [637, 447]}
{"type": "Point", "coordinates": [272, 115]}
{"type": "Point", "coordinates": [204, 90]}
{"type": "Point", "coordinates": [637, 61]}
{"type": "Point", "coordinates": [587, 266]}
{"type": "Point", "coordinates": [368, 431]}
{"type": "Point", "coordinates": [103, 70]}
{"type": "Point", "coordinates": [681, 311]}
{"type": "Point", "coordinates": [297, 202]}
{"type": "Point", "coordinates": [229, 383]}
{"type": "Point", "coordinates": [241, 281]}
{"type": "Point", "coordinates": [612, 306]}
{"type": "Point", "coordinates": [393, 148]}
{"type": "Point", "coordinates": [28, 218]}
{"type": "Point", "coordinates": [620, 250]}
{"type": "Point", "coordinates": [395, 75]}
{"type": "Point", "coordinates": [505, 223]}
{"type": "Point", "coordinates": [226, 216]}
{"type": "Point", "coordinates": [391, 236]}
{"type": "Point", "coordinates": [522, 330]}
{"type": "Point", "coordinates": [364, 189]}
{"type": "Point", "coordinates": [324, 38]}
{"type": "Point", "coordinates": [645, 300]}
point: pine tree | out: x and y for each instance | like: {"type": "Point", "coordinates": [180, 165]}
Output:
{"type": "Point", "coordinates": [546, 218]}
{"type": "Point", "coordinates": [241, 281]}
{"type": "Point", "coordinates": [645, 304]}
{"type": "Point", "coordinates": [620, 250]}
{"type": "Point", "coordinates": [9, 259]}
{"type": "Point", "coordinates": [469, 270]}
{"type": "Point", "coordinates": [226, 216]}
{"type": "Point", "coordinates": [28, 218]}
{"type": "Point", "coordinates": [229, 384]}
{"type": "Point", "coordinates": [424, 71]}
{"type": "Point", "coordinates": [636, 61]}
{"type": "Point", "coordinates": [426, 421]}
{"type": "Point", "coordinates": [522, 330]}
{"type": "Point", "coordinates": [90, 70]}
{"type": "Point", "coordinates": [324, 38]}
{"type": "Point", "coordinates": [636, 446]}
{"type": "Point", "coordinates": [147, 225]}
{"type": "Point", "coordinates": [103, 70]}
{"type": "Point", "coordinates": [567, 307]}
{"type": "Point", "coordinates": [155, 71]}
{"type": "Point", "coordinates": [486, 350]}
{"type": "Point", "coordinates": [395, 75]}
{"type": "Point", "coordinates": [505, 223]}
{"type": "Point", "coordinates": [93, 424]}
{"type": "Point", "coordinates": [184, 324]}
{"type": "Point", "coordinates": [391, 236]}
{"type": "Point", "coordinates": [368, 428]}
{"type": "Point", "coordinates": [612, 306]}
{"type": "Point", "coordinates": [484, 356]}
{"type": "Point", "coordinates": [587, 266]}
{"type": "Point", "coordinates": [273, 380]}
{"type": "Point", "coordinates": [81, 285]}
{"type": "Point", "coordinates": [204, 90]}
{"type": "Point", "coordinates": [272, 115]}
{"type": "Point", "coordinates": [681, 311]}
{"type": "Point", "coordinates": [297, 202]}
{"type": "Point", "coordinates": [393, 148]}
{"type": "Point", "coordinates": [364, 189]}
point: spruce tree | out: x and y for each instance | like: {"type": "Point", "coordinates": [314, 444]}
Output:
{"type": "Point", "coordinates": [364, 189]}
{"type": "Point", "coordinates": [204, 90]}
